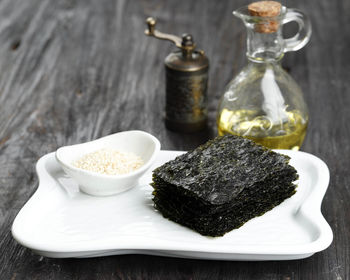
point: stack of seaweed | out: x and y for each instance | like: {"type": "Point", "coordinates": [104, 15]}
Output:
{"type": "Point", "coordinates": [222, 184]}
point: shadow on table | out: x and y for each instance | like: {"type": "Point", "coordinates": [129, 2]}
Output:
{"type": "Point", "coordinates": [188, 141]}
{"type": "Point", "coordinates": [153, 267]}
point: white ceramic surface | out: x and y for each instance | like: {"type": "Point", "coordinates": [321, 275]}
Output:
{"type": "Point", "coordinates": [60, 221]}
{"type": "Point", "coordinates": [138, 142]}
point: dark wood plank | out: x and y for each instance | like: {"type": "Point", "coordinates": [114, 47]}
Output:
{"type": "Point", "coordinates": [72, 71]}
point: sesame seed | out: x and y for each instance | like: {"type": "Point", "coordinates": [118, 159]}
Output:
{"type": "Point", "coordinates": [109, 162]}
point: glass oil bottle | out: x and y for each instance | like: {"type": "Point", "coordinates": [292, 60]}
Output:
{"type": "Point", "coordinates": [263, 102]}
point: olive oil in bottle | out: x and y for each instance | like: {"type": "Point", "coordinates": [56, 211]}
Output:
{"type": "Point", "coordinates": [288, 134]}
{"type": "Point", "coordinates": [263, 102]}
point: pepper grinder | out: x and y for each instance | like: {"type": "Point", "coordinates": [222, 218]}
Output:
{"type": "Point", "coordinates": [186, 82]}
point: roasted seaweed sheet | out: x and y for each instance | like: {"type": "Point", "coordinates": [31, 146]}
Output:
{"type": "Point", "coordinates": [222, 184]}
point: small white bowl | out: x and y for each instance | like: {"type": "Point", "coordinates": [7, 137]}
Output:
{"type": "Point", "coordinates": [138, 142]}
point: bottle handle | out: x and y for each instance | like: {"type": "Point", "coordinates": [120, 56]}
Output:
{"type": "Point", "coordinates": [303, 35]}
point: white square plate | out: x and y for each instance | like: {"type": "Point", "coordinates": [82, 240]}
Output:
{"type": "Point", "coordinates": [59, 221]}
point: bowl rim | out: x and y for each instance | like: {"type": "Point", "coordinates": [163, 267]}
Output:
{"type": "Point", "coordinates": [140, 170]}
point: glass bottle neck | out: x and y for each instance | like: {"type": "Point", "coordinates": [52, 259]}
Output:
{"type": "Point", "coordinates": [264, 47]}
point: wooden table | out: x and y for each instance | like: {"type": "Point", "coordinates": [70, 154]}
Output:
{"type": "Point", "coordinates": [72, 71]}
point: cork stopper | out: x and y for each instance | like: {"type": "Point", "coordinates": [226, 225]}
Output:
{"type": "Point", "coordinates": [268, 9]}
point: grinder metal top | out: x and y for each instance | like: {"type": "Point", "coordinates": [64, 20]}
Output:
{"type": "Point", "coordinates": [189, 59]}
